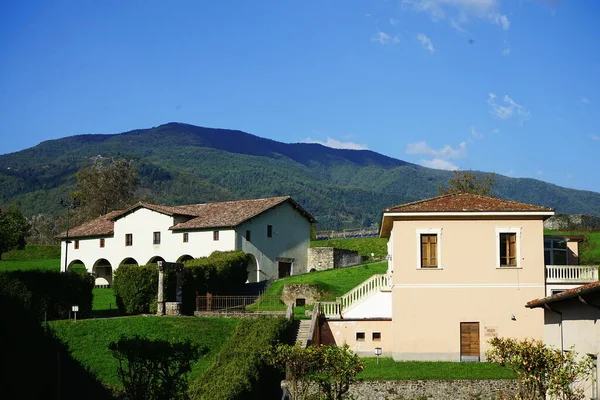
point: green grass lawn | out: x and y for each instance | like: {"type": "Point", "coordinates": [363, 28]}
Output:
{"type": "Point", "coordinates": [89, 339]}
{"type": "Point", "coordinates": [364, 246]}
{"type": "Point", "coordinates": [104, 303]}
{"type": "Point", "coordinates": [390, 370]}
{"type": "Point", "coordinates": [333, 282]}
{"type": "Point", "coordinates": [33, 252]}
{"type": "Point", "coordinates": [43, 264]}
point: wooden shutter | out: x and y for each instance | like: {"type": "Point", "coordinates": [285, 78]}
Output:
{"type": "Point", "coordinates": [429, 251]}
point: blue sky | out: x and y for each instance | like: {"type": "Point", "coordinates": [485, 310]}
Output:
{"type": "Point", "coordinates": [511, 87]}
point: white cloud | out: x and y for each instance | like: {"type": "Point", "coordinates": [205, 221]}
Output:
{"type": "Point", "coordinates": [338, 144]}
{"type": "Point", "coordinates": [426, 42]}
{"type": "Point", "coordinates": [384, 38]}
{"type": "Point", "coordinates": [459, 11]}
{"type": "Point", "coordinates": [584, 100]}
{"type": "Point", "coordinates": [475, 134]}
{"type": "Point", "coordinates": [595, 137]}
{"type": "Point", "coordinates": [440, 159]}
{"type": "Point", "coordinates": [506, 51]}
{"type": "Point", "coordinates": [508, 108]}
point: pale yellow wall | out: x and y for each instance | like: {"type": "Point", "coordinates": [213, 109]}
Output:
{"type": "Point", "coordinates": [429, 304]}
{"type": "Point", "coordinates": [345, 332]}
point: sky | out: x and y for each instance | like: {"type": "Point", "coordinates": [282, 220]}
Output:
{"type": "Point", "coordinates": [511, 87]}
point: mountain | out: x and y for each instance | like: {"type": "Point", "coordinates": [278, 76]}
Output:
{"type": "Point", "coordinates": [180, 163]}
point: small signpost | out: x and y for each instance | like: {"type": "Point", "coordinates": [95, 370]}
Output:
{"type": "Point", "coordinates": [377, 353]}
{"type": "Point", "coordinates": [75, 309]}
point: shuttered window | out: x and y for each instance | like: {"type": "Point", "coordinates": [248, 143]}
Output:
{"type": "Point", "coordinates": [429, 251]}
{"type": "Point", "coordinates": [508, 249]}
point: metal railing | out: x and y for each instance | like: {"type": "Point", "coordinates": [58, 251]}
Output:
{"type": "Point", "coordinates": [571, 273]}
{"type": "Point", "coordinates": [214, 303]}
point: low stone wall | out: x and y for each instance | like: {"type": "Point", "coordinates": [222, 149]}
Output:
{"type": "Point", "coordinates": [438, 390]}
{"type": "Point", "coordinates": [323, 258]}
{"type": "Point", "coordinates": [568, 222]}
{"type": "Point", "coordinates": [254, 314]}
{"type": "Point", "coordinates": [292, 292]}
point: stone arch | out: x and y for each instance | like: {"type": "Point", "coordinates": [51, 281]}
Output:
{"type": "Point", "coordinates": [312, 270]}
{"type": "Point", "coordinates": [184, 258]}
{"type": "Point", "coordinates": [155, 260]}
{"type": "Point", "coordinates": [253, 269]}
{"type": "Point", "coordinates": [129, 261]}
{"type": "Point", "coordinates": [103, 272]}
{"type": "Point", "coordinates": [77, 266]}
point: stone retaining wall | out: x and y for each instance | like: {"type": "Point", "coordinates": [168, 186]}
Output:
{"type": "Point", "coordinates": [322, 258]}
{"type": "Point", "coordinates": [567, 222]}
{"type": "Point", "coordinates": [438, 390]}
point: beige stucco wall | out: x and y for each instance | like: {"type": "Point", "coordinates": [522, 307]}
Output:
{"type": "Point", "coordinates": [429, 304]}
{"type": "Point", "coordinates": [344, 331]}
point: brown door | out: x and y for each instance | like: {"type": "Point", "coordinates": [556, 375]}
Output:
{"type": "Point", "coordinates": [469, 341]}
{"type": "Point", "coordinates": [285, 269]}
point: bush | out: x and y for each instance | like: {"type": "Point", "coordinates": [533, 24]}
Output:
{"type": "Point", "coordinates": [240, 365]}
{"type": "Point", "coordinates": [136, 288]}
{"type": "Point", "coordinates": [154, 369]}
{"type": "Point", "coordinates": [49, 294]}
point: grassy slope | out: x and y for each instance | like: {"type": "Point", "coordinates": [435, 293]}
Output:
{"type": "Point", "coordinates": [364, 246]}
{"type": "Point", "coordinates": [33, 252]}
{"type": "Point", "coordinates": [89, 339]}
{"type": "Point", "coordinates": [44, 264]}
{"type": "Point", "coordinates": [332, 283]}
{"type": "Point", "coordinates": [388, 369]}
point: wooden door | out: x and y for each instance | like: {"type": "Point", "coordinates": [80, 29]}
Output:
{"type": "Point", "coordinates": [469, 341]}
{"type": "Point", "coordinates": [285, 269]}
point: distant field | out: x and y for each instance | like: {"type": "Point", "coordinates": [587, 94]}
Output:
{"type": "Point", "coordinates": [364, 246]}
{"type": "Point", "coordinates": [89, 339]}
{"type": "Point", "coordinates": [391, 370]}
{"type": "Point", "coordinates": [333, 282]}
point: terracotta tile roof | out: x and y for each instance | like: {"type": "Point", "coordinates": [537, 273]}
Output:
{"type": "Point", "coordinates": [465, 202]}
{"type": "Point", "coordinates": [101, 226]}
{"type": "Point", "coordinates": [567, 294]}
{"type": "Point", "coordinates": [208, 215]}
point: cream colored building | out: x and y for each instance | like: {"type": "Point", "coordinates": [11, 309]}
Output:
{"type": "Point", "coordinates": [571, 320]}
{"type": "Point", "coordinates": [275, 231]}
{"type": "Point", "coordinates": [460, 269]}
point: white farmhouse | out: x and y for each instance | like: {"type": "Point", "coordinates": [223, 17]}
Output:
{"type": "Point", "coordinates": [275, 231]}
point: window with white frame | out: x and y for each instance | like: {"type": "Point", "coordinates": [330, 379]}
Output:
{"type": "Point", "coordinates": [429, 248]}
{"type": "Point", "coordinates": [508, 247]}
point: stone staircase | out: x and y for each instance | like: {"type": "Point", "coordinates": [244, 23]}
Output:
{"type": "Point", "coordinates": [302, 331]}
{"type": "Point", "coordinates": [336, 309]}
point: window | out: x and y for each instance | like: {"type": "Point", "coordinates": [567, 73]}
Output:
{"type": "Point", "coordinates": [186, 237]}
{"type": "Point", "coordinates": [508, 247]}
{"type": "Point", "coordinates": [360, 336]}
{"type": "Point", "coordinates": [156, 238]}
{"type": "Point", "coordinates": [129, 239]}
{"type": "Point", "coordinates": [376, 336]}
{"type": "Point", "coordinates": [102, 243]}
{"type": "Point", "coordinates": [215, 235]}
{"type": "Point", "coordinates": [248, 236]}
{"type": "Point", "coordinates": [76, 244]}
{"type": "Point", "coordinates": [555, 251]}
{"type": "Point", "coordinates": [269, 230]}
{"type": "Point", "coordinates": [429, 251]}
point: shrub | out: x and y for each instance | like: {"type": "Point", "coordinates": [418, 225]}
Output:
{"type": "Point", "coordinates": [136, 288]}
{"type": "Point", "coordinates": [240, 365]}
{"type": "Point", "coordinates": [154, 369]}
{"type": "Point", "coordinates": [49, 294]}
{"type": "Point", "coordinates": [220, 273]}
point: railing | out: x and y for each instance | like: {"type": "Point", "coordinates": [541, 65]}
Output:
{"type": "Point", "coordinates": [347, 234]}
{"type": "Point", "coordinates": [236, 304]}
{"type": "Point", "coordinates": [571, 273]}
{"type": "Point", "coordinates": [334, 309]}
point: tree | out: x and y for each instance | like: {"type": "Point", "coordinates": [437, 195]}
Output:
{"type": "Point", "coordinates": [469, 182]}
{"type": "Point", "coordinates": [104, 187]}
{"type": "Point", "coordinates": [13, 229]}
{"type": "Point", "coordinates": [43, 230]}
{"type": "Point", "coordinates": [541, 370]}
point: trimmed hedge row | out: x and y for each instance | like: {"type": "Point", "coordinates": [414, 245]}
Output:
{"type": "Point", "coordinates": [49, 294]}
{"type": "Point", "coordinates": [221, 273]}
{"type": "Point", "coordinates": [235, 373]}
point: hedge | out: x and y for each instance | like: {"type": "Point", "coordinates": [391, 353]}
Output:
{"type": "Point", "coordinates": [237, 369]}
{"type": "Point", "coordinates": [221, 273]}
{"type": "Point", "coordinates": [49, 294]}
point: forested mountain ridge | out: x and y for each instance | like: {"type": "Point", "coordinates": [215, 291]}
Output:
{"type": "Point", "coordinates": [180, 163]}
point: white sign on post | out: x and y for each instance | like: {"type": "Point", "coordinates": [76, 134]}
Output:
{"type": "Point", "coordinates": [75, 308]}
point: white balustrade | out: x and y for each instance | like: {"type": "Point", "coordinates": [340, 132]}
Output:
{"type": "Point", "coordinates": [571, 273]}
{"type": "Point", "coordinates": [360, 292]}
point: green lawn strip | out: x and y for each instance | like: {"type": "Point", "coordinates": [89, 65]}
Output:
{"type": "Point", "coordinates": [33, 252]}
{"type": "Point", "coordinates": [390, 370]}
{"type": "Point", "coordinates": [22, 265]}
{"type": "Point", "coordinates": [589, 250]}
{"type": "Point", "coordinates": [104, 303]}
{"type": "Point", "coordinates": [88, 339]}
{"type": "Point", "coordinates": [364, 246]}
{"type": "Point", "coordinates": [333, 282]}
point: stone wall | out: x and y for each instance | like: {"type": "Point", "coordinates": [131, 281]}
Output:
{"type": "Point", "coordinates": [322, 258]}
{"type": "Point", "coordinates": [292, 292]}
{"type": "Point", "coordinates": [569, 222]}
{"type": "Point", "coordinates": [438, 390]}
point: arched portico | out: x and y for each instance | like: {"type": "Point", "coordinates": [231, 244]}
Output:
{"type": "Point", "coordinates": [155, 260]}
{"type": "Point", "coordinates": [253, 269]}
{"type": "Point", "coordinates": [76, 266]}
{"type": "Point", "coordinates": [184, 258]}
{"type": "Point", "coordinates": [102, 271]}
{"type": "Point", "coordinates": [129, 261]}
